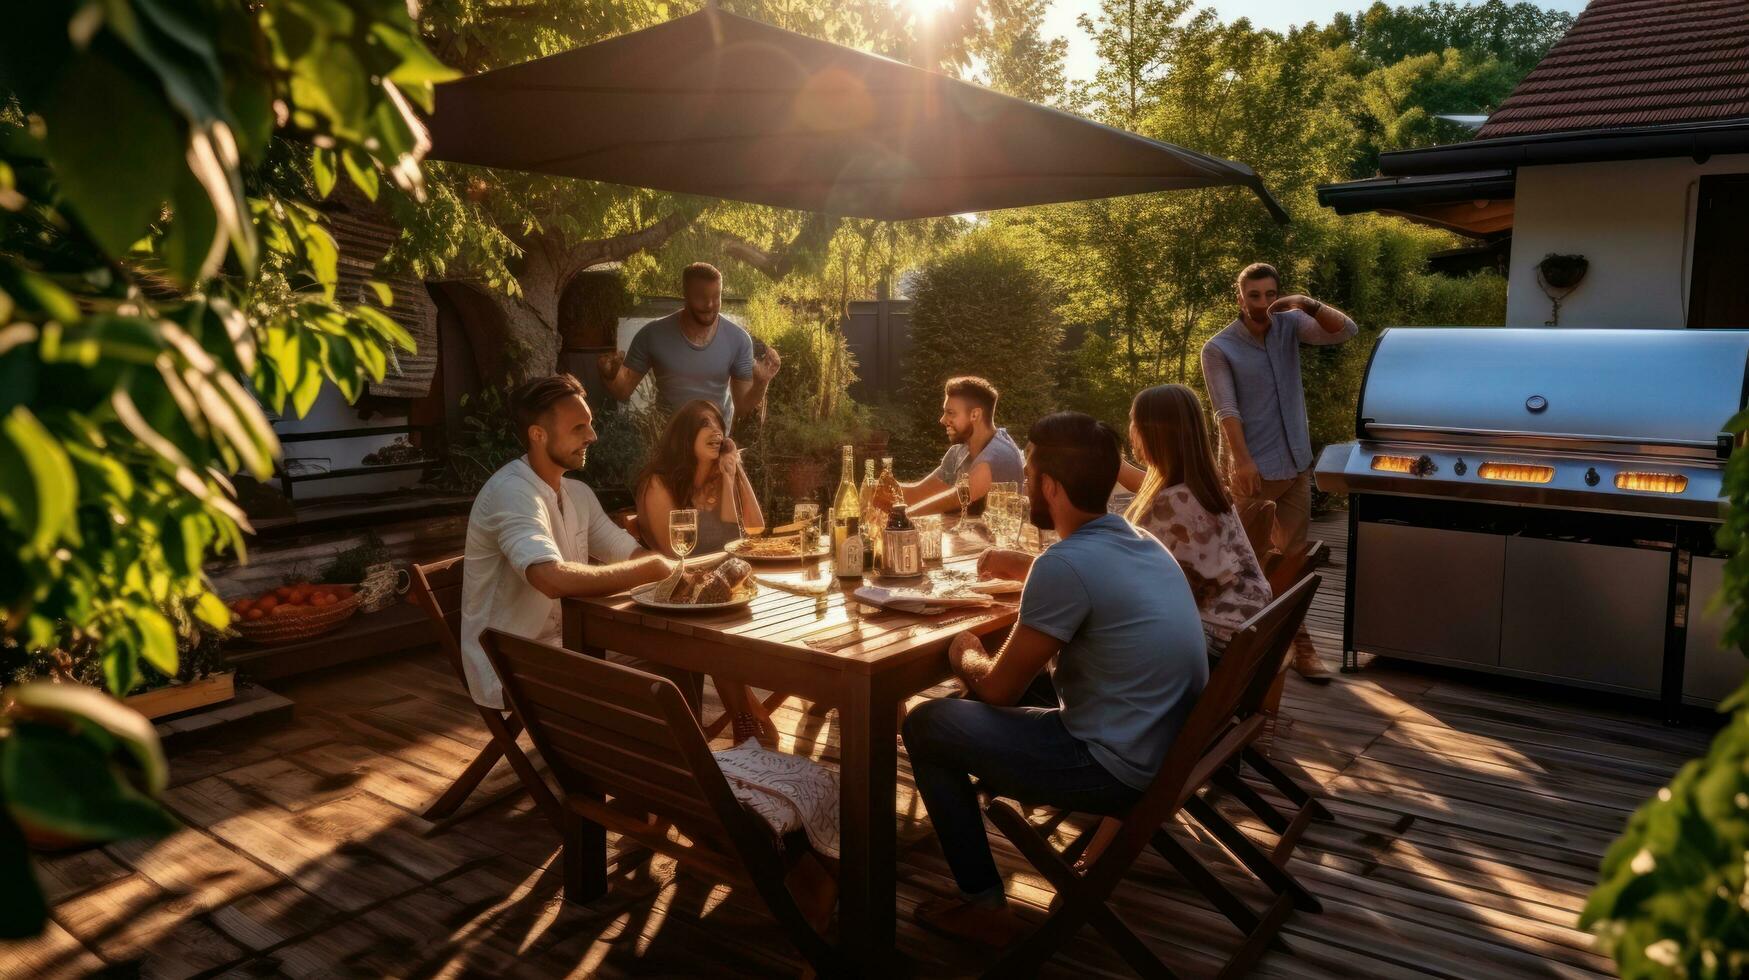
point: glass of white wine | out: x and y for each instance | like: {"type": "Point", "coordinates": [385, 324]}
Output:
{"type": "Point", "coordinates": [962, 489]}
{"type": "Point", "coordinates": [683, 532]}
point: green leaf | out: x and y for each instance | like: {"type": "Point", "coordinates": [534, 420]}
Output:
{"type": "Point", "coordinates": [385, 295]}
{"type": "Point", "coordinates": [212, 157]}
{"type": "Point", "coordinates": [362, 171]}
{"type": "Point", "coordinates": [211, 610]}
{"type": "Point", "coordinates": [418, 69]}
{"type": "Point", "coordinates": [194, 245]}
{"type": "Point", "coordinates": [322, 166]}
{"type": "Point", "coordinates": [81, 707]}
{"type": "Point", "coordinates": [179, 49]}
{"type": "Point", "coordinates": [23, 911]}
{"type": "Point", "coordinates": [343, 368]}
{"type": "Point", "coordinates": [385, 325]}
{"type": "Point", "coordinates": [157, 639]}
{"type": "Point", "coordinates": [322, 254]}
{"type": "Point", "coordinates": [95, 112]}
{"type": "Point", "coordinates": [66, 783]}
{"type": "Point", "coordinates": [37, 486]}
{"type": "Point", "coordinates": [182, 550]}
{"type": "Point", "coordinates": [370, 355]}
{"type": "Point", "coordinates": [309, 383]}
{"type": "Point", "coordinates": [95, 468]}
{"type": "Point", "coordinates": [121, 669]}
{"type": "Point", "coordinates": [36, 293]}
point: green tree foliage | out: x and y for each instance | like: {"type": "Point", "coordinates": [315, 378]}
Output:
{"type": "Point", "coordinates": [981, 308]}
{"type": "Point", "coordinates": [1019, 59]}
{"type": "Point", "coordinates": [1518, 34]}
{"type": "Point", "coordinates": [158, 260]}
{"type": "Point", "coordinates": [1151, 277]}
{"type": "Point", "coordinates": [1673, 896]}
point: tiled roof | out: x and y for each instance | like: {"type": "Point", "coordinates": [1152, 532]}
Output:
{"type": "Point", "coordinates": [1636, 63]}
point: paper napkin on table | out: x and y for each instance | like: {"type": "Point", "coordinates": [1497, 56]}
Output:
{"type": "Point", "coordinates": [916, 601]}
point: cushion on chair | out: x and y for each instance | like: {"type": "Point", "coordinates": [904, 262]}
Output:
{"type": "Point", "coordinates": [787, 791]}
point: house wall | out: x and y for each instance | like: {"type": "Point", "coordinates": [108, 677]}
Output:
{"type": "Point", "coordinates": [1634, 221]}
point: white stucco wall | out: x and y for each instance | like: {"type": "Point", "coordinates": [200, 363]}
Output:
{"type": "Point", "coordinates": [1634, 221]}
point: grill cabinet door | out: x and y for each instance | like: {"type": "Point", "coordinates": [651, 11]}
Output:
{"type": "Point", "coordinates": [1428, 593]}
{"type": "Point", "coordinates": [1711, 671]}
{"type": "Point", "coordinates": [1589, 613]}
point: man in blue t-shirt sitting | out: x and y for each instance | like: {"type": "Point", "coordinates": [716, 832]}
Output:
{"type": "Point", "coordinates": [695, 352]}
{"type": "Point", "coordinates": [1113, 608]}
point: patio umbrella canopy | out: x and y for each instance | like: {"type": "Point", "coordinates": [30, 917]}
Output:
{"type": "Point", "coordinates": [722, 106]}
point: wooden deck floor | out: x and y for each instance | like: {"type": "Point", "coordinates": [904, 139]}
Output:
{"type": "Point", "coordinates": [1471, 814]}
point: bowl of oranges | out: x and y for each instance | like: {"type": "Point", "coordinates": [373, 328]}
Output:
{"type": "Point", "coordinates": [292, 612]}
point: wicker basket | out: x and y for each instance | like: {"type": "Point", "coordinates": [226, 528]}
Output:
{"type": "Point", "coordinates": [315, 621]}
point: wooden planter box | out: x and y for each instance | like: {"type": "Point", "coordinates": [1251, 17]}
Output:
{"type": "Point", "coordinates": [176, 698]}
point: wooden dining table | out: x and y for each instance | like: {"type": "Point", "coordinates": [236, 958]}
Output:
{"type": "Point", "coordinates": [862, 661]}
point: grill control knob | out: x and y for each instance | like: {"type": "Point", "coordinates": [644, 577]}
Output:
{"type": "Point", "coordinates": [1422, 466]}
{"type": "Point", "coordinates": [1460, 467]}
{"type": "Point", "coordinates": [1535, 403]}
{"type": "Point", "coordinates": [1591, 477]}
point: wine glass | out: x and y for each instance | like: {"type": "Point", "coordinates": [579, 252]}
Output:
{"type": "Point", "coordinates": [962, 489]}
{"type": "Point", "coordinates": [683, 532]}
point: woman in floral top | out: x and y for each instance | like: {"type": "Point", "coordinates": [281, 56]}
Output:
{"type": "Point", "coordinates": [1180, 500]}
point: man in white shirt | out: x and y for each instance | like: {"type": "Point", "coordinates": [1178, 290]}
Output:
{"type": "Point", "coordinates": [532, 534]}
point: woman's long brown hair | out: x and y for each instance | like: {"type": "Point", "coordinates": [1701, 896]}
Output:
{"type": "Point", "coordinates": [1175, 442]}
{"type": "Point", "coordinates": [673, 462]}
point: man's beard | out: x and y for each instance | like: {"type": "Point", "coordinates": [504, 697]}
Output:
{"type": "Point", "coordinates": [702, 319]}
{"type": "Point", "coordinates": [958, 436]}
{"type": "Point", "coordinates": [1041, 514]}
{"type": "Point", "coordinates": [564, 462]}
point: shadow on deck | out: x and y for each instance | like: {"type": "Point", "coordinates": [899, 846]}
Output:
{"type": "Point", "coordinates": [1471, 816]}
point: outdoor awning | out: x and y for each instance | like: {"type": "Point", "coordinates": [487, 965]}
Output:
{"type": "Point", "coordinates": [1475, 203]}
{"type": "Point", "coordinates": [718, 105]}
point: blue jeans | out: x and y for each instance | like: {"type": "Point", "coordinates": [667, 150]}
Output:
{"type": "Point", "coordinates": [1021, 752]}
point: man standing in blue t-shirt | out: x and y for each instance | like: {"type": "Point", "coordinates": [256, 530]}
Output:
{"type": "Point", "coordinates": [1113, 608]}
{"type": "Point", "coordinates": [695, 352]}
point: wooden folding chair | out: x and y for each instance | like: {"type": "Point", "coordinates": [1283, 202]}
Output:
{"type": "Point", "coordinates": [629, 756]}
{"type": "Point", "coordinates": [1271, 867]}
{"type": "Point", "coordinates": [1210, 740]}
{"type": "Point", "coordinates": [436, 588]}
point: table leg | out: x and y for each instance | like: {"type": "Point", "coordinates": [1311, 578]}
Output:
{"type": "Point", "coordinates": [585, 841]}
{"type": "Point", "coordinates": [868, 844]}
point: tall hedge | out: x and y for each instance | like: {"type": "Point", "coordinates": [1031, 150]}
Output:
{"type": "Point", "coordinates": [982, 308]}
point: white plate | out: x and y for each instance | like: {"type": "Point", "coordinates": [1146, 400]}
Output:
{"type": "Point", "coordinates": [740, 597]}
{"type": "Point", "coordinates": [734, 548]}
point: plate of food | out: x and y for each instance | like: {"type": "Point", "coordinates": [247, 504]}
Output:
{"type": "Point", "coordinates": [728, 586]}
{"type": "Point", "coordinates": [778, 547]}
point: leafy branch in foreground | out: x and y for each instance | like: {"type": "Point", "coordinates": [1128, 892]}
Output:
{"type": "Point", "coordinates": [164, 272]}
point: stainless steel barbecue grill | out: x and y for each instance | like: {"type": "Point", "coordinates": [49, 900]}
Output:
{"type": "Point", "coordinates": [1542, 503]}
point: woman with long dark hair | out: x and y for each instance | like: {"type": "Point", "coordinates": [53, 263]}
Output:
{"type": "Point", "coordinates": [696, 466]}
{"type": "Point", "coordinates": [1182, 503]}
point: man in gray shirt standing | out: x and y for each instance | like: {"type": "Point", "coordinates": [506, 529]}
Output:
{"type": "Point", "coordinates": [695, 352]}
{"type": "Point", "coordinates": [1252, 369]}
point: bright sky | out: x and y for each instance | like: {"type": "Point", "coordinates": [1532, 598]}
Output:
{"type": "Point", "coordinates": [1276, 14]}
